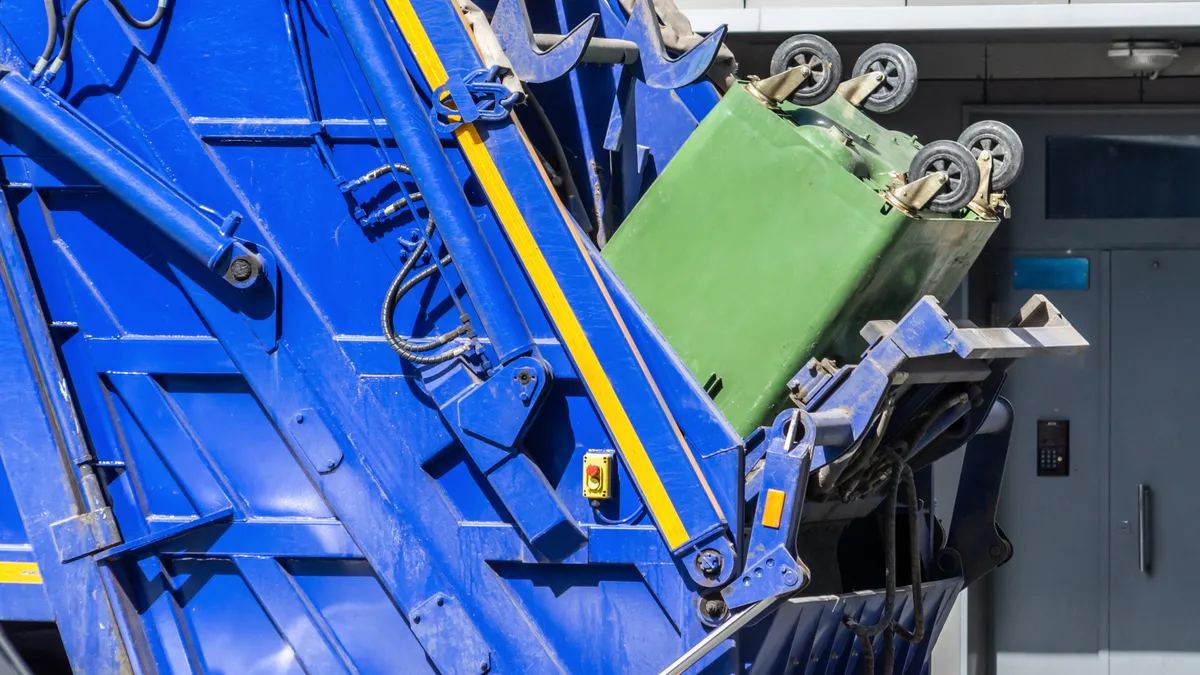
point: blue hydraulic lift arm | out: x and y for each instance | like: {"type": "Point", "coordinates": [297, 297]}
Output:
{"type": "Point", "coordinates": [668, 470]}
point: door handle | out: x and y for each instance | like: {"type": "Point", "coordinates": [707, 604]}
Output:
{"type": "Point", "coordinates": [1144, 528]}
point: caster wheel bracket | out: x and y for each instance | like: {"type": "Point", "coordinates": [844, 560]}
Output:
{"type": "Point", "coordinates": [987, 204]}
{"type": "Point", "coordinates": [779, 88]}
{"type": "Point", "coordinates": [915, 195]}
{"type": "Point", "coordinates": [857, 90]}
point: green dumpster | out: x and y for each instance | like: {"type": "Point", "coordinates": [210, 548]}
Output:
{"type": "Point", "coordinates": [767, 241]}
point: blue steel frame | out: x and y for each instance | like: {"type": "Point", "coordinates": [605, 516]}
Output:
{"type": "Point", "coordinates": [223, 471]}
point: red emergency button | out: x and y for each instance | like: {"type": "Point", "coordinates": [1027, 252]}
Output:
{"type": "Point", "coordinates": [593, 471]}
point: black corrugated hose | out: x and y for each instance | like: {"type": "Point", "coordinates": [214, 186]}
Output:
{"type": "Point", "coordinates": [411, 350]}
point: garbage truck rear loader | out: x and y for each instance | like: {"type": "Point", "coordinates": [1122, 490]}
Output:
{"type": "Point", "coordinates": [419, 336]}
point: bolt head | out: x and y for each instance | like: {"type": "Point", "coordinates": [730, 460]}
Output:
{"type": "Point", "coordinates": [714, 608]}
{"type": "Point", "coordinates": [994, 551]}
{"type": "Point", "coordinates": [299, 418]}
{"type": "Point", "coordinates": [330, 464]}
{"type": "Point", "coordinates": [709, 562]}
{"type": "Point", "coordinates": [241, 269]}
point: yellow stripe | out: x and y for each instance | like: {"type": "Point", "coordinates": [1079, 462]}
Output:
{"type": "Point", "coordinates": [19, 573]}
{"type": "Point", "coordinates": [587, 257]}
{"type": "Point", "coordinates": [687, 450]}
{"type": "Point", "coordinates": [577, 344]}
{"type": "Point", "coordinates": [418, 41]}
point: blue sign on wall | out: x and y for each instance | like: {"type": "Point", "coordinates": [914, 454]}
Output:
{"type": "Point", "coordinates": [1050, 274]}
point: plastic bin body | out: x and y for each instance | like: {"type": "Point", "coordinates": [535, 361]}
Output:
{"type": "Point", "coordinates": [766, 242]}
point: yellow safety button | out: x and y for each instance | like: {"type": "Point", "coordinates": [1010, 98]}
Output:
{"type": "Point", "coordinates": [597, 475]}
{"type": "Point", "coordinates": [773, 509]}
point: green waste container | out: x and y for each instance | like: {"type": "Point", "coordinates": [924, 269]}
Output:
{"type": "Point", "coordinates": [767, 241]}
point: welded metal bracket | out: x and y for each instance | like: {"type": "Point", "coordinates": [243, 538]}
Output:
{"type": "Point", "coordinates": [510, 24]}
{"type": "Point", "coordinates": [449, 637]}
{"type": "Point", "coordinates": [659, 70]}
{"type": "Point", "coordinates": [771, 567]}
{"type": "Point", "coordinates": [85, 534]}
{"type": "Point", "coordinates": [312, 436]}
{"type": "Point", "coordinates": [499, 409]}
{"type": "Point", "coordinates": [1038, 329]}
{"type": "Point", "coordinates": [654, 68]}
{"type": "Point", "coordinates": [489, 417]}
{"type": "Point", "coordinates": [151, 540]}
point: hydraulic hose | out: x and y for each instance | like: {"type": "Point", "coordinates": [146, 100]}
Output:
{"type": "Point", "coordinates": [440, 340]}
{"type": "Point", "coordinates": [400, 286]}
{"type": "Point", "coordinates": [69, 28]}
{"type": "Point", "coordinates": [51, 38]}
{"type": "Point", "coordinates": [560, 155]}
{"type": "Point", "coordinates": [849, 480]}
{"type": "Point", "coordinates": [141, 25]}
{"type": "Point", "coordinates": [68, 33]}
{"type": "Point", "coordinates": [416, 139]}
{"type": "Point", "coordinates": [901, 475]}
{"type": "Point", "coordinates": [376, 173]}
{"type": "Point", "coordinates": [627, 520]}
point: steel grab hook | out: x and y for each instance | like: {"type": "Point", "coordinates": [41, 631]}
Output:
{"type": "Point", "coordinates": [510, 23]}
{"type": "Point", "coordinates": [658, 69]}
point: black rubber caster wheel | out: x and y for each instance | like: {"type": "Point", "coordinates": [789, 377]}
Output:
{"type": "Point", "coordinates": [961, 171]}
{"type": "Point", "coordinates": [1008, 152]}
{"type": "Point", "coordinates": [819, 55]}
{"type": "Point", "coordinates": [899, 77]}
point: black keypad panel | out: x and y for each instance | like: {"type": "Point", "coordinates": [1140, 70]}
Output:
{"type": "Point", "coordinates": [1053, 448]}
